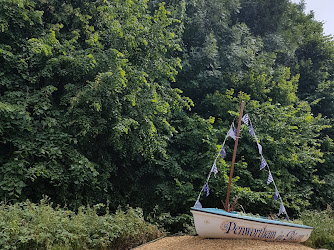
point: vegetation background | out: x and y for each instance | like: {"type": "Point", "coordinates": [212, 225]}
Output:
{"type": "Point", "coordinates": [127, 102]}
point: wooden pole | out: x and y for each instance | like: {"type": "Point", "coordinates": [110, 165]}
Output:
{"type": "Point", "coordinates": [227, 206]}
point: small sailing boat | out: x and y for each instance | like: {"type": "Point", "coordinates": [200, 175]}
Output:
{"type": "Point", "coordinates": [218, 223]}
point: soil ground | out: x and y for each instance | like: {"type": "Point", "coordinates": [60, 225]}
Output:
{"type": "Point", "coordinates": [198, 243]}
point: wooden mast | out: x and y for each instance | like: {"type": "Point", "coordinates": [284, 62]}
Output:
{"type": "Point", "coordinates": [227, 205]}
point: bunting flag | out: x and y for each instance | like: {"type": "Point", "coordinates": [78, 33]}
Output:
{"type": "Point", "coordinates": [263, 163]}
{"type": "Point", "coordinates": [260, 148]}
{"type": "Point", "coordinates": [214, 169]}
{"type": "Point", "coordinates": [198, 204]}
{"type": "Point", "coordinates": [206, 189]}
{"type": "Point", "coordinates": [245, 119]}
{"type": "Point", "coordinates": [231, 133]}
{"type": "Point", "coordinates": [251, 130]}
{"type": "Point", "coordinates": [276, 194]}
{"type": "Point", "coordinates": [270, 178]}
{"type": "Point", "coordinates": [281, 209]}
{"type": "Point", "coordinates": [222, 152]}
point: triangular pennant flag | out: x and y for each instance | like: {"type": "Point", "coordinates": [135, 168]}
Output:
{"type": "Point", "coordinates": [231, 133]}
{"type": "Point", "coordinates": [245, 119]}
{"type": "Point", "coordinates": [270, 178]}
{"type": "Point", "coordinates": [276, 195]}
{"type": "Point", "coordinates": [260, 148]}
{"type": "Point", "coordinates": [234, 130]}
{"type": "Point", "coordinates": [198, 205]}
{"type": "Point", "coordinates": [263, 163]}
{"type": "Point", "coordinates": [251, 130]}
{"type": "Point", "coordinates": [281, 209]}
{"type": "Point", "coordinates": [206, 189]}
{"type": "Point", "coordinates": [222, 152]}
{"type": "Point", "coordinates": [214, 169]}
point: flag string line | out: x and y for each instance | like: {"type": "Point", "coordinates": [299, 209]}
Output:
{"type": "Point", "coordinates": [215, 161]}
{"type": "Point", "coordinates": [208, 178]}
{"type": "Point", "coordinates": [214, 164]}
{"type": "Point", "coordinates": [267, 165]}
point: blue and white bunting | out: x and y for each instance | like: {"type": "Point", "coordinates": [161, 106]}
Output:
{"type": "Point", "coordinates": [214, 169]}
{"type": "Point", "coordinates": [223, 152]}
{"type": "Point", "coordinates": [281, 209]}
{"type": "Point", "coordinates": [245, 119]}
{"type": "Point", "coordinates": [206, 189]}
{"type": "Point", "coordinates": [263, 163]}
{"type": "Point", "coordinates": [251, 130]}
{"type": "Point", "coordinates": [231, 133]}
{"type": "Point", "coordinates": [276, 195]}
{"type": "Point", "coordinates": [260, 148]}
{"type": "Point", "coordinates": [270, 178]}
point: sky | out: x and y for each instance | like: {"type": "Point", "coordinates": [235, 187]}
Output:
{"type": "Point", "coordinates": [323, 11]}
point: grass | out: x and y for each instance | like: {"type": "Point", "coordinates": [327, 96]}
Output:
{"type": "Point", "coordinates": [41, 226]}
{"type": "Point", "coordinates": [27, 225]}
{"type": "Point", "coordinates": [323, 233]}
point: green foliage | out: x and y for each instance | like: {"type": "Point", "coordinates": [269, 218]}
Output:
{"type": "Point", "coordinates": [173, 224]}
{"type": "Point", "coordinates": [323, 233]}
{"type": "Point", "coordinates": [263, 16]}
{"type": "Point", "coordinates": [85, 97]}
{"type": "Point", "coordinates": [27, 225]}
{"type": "Point", "coordinates": [189, 157]}
{"type": "Point", "coordinates": [324, 184]}
{"type": "Point", "coordinates": [88, 112]}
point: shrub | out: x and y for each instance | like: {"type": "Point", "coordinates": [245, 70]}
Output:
{"type": "Point", "coordinates": [41, 226]}
{"type": "Point", "coordinates": [323, 232]}
{"type": "Point", "coordinates": [181, 224]}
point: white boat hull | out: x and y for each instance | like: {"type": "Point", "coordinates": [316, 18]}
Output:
{"type": "Point", "coordinates": [217, 223]}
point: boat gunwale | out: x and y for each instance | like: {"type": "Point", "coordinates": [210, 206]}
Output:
{"type": "Point", "coordinates": [260, 220]}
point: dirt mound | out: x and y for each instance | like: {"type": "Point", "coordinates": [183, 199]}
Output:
{"type": "Point", "coordinates": [195, 242]}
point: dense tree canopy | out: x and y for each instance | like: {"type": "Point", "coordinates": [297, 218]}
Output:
{"type": "Point", "coordinates": [130, 101]}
